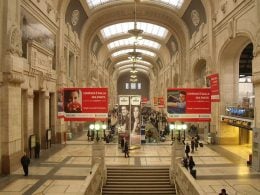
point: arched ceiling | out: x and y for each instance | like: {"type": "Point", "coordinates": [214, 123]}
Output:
{"type": "Point", "coordinates": [109, 22]}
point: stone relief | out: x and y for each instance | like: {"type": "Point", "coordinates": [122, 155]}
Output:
{"type": "Point", "coordinates": [195, 17]}
{"type": "Point", "coordinates": [15, 41]}
{"type": "Point", "coordinates": [75, 17]}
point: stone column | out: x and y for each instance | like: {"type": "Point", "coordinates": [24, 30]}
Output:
{"type": "Point", "coordinates": [45, 100]}
{"type": "Point", "coordinates": [256, 130]}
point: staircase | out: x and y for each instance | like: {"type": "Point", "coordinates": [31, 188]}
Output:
{"type": "Point", "coordinates": [138, 180]}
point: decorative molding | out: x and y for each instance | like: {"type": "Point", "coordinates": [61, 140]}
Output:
{"type": "Point", "coordinates": [256, 50]}
{"type": "Point", "coordinates": [13, 77]}
{"type": "Point", "coordinates": [223, 7]}
{"type": "Point", "coordinates": [15, 41]}
{"type": "Point", "coordinates": [231, 29]}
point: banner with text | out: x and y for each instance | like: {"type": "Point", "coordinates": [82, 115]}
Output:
{"type": "Point", "coordinates": [213, 83]}
{"type": "Point", "coordinates": [189, 104]}
{"type": "Point", "coordinates": [85, 104]}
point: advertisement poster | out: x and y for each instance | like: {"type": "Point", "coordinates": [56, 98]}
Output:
{"type": "Point", "coordinates": [135, 136]}
{"type": "Point", "coordinates": [130, 120]}
{"type": "Point", "coordinates": [189, 104]}
{"type": "Point", "coordinates": [85, 104]}
{"type": "Point", "coordinates": [160, 102]}
{"type": "Point", "coordinates": [124, 119]}
{"type": "Point", "coordinates": [155, 101]}
{"type": "Point", "coordinates": [60, 105]}
{"type": "Point", "coordinates": [213, 83]}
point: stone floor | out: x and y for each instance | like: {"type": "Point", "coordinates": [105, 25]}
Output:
{"type": "Point", "coordinates": [62, 169]}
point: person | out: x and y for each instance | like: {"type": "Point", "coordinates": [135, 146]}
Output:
{"type": "Point", "coordinates": [74, 102]}
{"type": "Point", "coordinates": [185, 162]}
{"type": "Point", "coordinates": [136, 121]}
{"type": "Point", "coordinates": [187, 150]}
{"type": "Point", "coordinates": [191, 163]}
{"type": "Point", "coordinates": [192, 144]}
{"type": "Point", "coordinates": [126, 150]}
{"type": "Point", "coordinates": [25, 161]}
{"type": "Point", "coordinates": [177, 105]}
{"type": "Point", "coordinates": [37, 149]}
{"type": "Point", "coordinates": [223, 192]}
{"type": "Point", "coordinates": [122, 143]}
{"type": "Point", "coordinates": [196, 141]}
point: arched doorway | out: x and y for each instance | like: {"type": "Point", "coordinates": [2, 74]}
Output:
{"type": "Point", "coordinates": [236, 92]}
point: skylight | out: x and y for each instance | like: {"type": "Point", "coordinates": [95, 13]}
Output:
{"type": "Point", "coordinates": [131, 65]}
{"type": "Point", "coordinates": [126, 42]}
{"type": "Point", "coordinates": [129, 61]}
{"type": "Point", "coordinates": [122, 28]}
{"type": "Point", "coordinates": [172, 3]}
{"type": "Point", "coordinates": [125, 51]}
{"type": "Point", "coordinates": [95, 3]}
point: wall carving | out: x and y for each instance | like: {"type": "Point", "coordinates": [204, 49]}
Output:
{"type": "Point", "coordinates": [14, 41]}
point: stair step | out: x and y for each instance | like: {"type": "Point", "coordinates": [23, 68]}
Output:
{"type": "Point", "coordinates": [137, 182]}
{"type": "Point", "coordinates": [137, 186]}
{"type": "Point", "coordinates": [136, 192]}
{"type": "Point", "coordinates": [144, 174]}
{"type": "Point", "coordinates": [138, 189]}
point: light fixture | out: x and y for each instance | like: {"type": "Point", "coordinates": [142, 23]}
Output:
{"type": "Point", "coordinates": [133, 80]}
{"type": "Point", "coordinates": [133, 76]}
{"type": "Point", "coordinates": [135, 56]}
{"type": "Point", "coordinates": [135, 32]}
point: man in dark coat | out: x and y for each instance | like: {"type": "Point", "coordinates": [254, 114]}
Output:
{"type": "Point", "coordinates": [25, 161]}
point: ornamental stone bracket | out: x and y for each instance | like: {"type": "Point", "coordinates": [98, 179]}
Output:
{"type": "Point", "coordinates": [13, 77]}
{"type": "Point", "coordinates": [256, 78]}
{"type": "Point", "coordinates": [14, 44]}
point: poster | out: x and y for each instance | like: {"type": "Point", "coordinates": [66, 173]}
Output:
{"type": "Point", "coordinates": [189, 104]}
{"type": "Point", "coordinates": [60, 105]}
{"type": "Point", "coordinates": [85, 104]}
{"type": "Point", "coordinates": [160, 102]}
{"type": "Point", "coordinates": [135, 136]}
{"type": "Point", "coordinates": [213, 83]}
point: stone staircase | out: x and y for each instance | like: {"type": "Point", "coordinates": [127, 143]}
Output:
{"type": "Point", "coordinates": [138, 180]}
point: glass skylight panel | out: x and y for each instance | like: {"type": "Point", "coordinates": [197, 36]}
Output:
{"type": "Point", "coordinates": [122, 28]}
{"type": "Point", "coordinates": [126, 42]}
{"type": "Point", "coordinates": [125, 51]}
{"type": "Point", "coordinates": [173, 3]}
{"type": "Point", "coordinates": [95, 3]}
{"type": "Point", "coordinates": [129, 62]}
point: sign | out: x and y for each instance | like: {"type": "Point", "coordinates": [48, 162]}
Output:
{"type": "Point", "coordinates": [155, 101]}
{"type": "Point", "coordinates": [189, 104]}
{"type": "Point", "coordinates": [160, 102]}
{"type": "Point", "coordinates": [213, 82]}
{"type": "Point", "coordinates": [60, 105]}
{"type": "Point", "coordinates": [85, 104]}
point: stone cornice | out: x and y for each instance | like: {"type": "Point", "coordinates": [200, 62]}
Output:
{"type": "Point", "coordinates": [13, 77]}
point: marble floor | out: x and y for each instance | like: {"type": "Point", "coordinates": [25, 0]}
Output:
{"type": "Point", "coordinates": [62, 169]}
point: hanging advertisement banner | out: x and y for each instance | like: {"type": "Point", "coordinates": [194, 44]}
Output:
{"type": "Point", "coordinates": [160, 102]}
{"type": "Point", "coordinates": [124, 117]}
{"type": "Point", "coordinates": [135, 136]}
{"type": "Point", "coordinates": [189, 104]}
{"type": "Point", "coordinates": [60, 104]}
{"type": "Point", "coordinates": [213, 82]}
{"type": "Point", "coordinates": [85, 104]}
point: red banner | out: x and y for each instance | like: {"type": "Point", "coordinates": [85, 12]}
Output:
{"type": "Point", "coordinates": [213, 83]}
{"type": "Point", "coordinates": [189, 104]}
{"type": "Point", "coordinates": [160, 102]}
{"type": "Point", "coordinates": [85, 104]}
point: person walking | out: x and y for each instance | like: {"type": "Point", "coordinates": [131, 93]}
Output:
{"type": "Point", "coordinates": [191, 163]}
{"type": "Point", "coordinates": [25, 161]}
{"type": "Point", "coordinates": [187, 150]}
{"type": "Point", "coordinates": [126, 149]}
{"type": "Point", "coordinates": [192, 144]}
{"type": "Point", "coordinates": [196, 143]}
{"type": "Point", "coordinates": [122, 143]}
